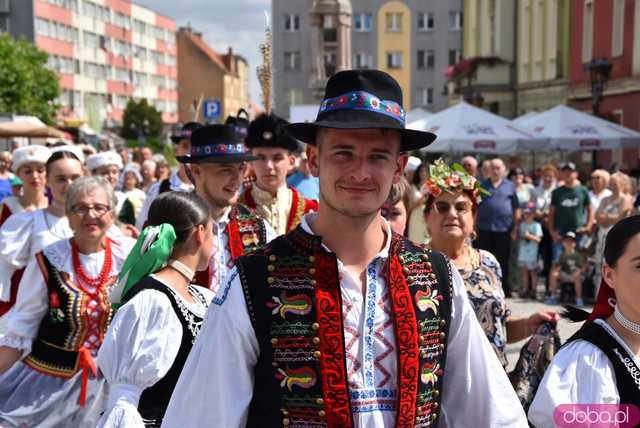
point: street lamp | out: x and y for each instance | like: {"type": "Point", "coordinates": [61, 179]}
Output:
{"type": "Point", "coordinates": [599, 71]}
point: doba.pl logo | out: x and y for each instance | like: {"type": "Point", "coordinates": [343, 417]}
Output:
{"type": "Point", "coordinates": [596, 415]}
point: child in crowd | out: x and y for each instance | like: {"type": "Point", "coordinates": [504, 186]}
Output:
{"type": "Point", "coordinates": [568, 269]}
{"type": "Point", "coordinates": [530, 237]}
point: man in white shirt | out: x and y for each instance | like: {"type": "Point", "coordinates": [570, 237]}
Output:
{"type": "Point", "coordinates": [341, 323]}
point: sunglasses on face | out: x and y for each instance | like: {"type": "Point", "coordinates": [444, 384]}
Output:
{"type": "Point", "coordinates": [461, 207]}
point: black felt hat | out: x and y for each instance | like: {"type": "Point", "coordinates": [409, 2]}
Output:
{"type": "Point", "coordinates": [216, 144]}
{"type": "Point", "coordinates": [267, 130]}
{"type": "Point", "coordinates": [359, 99]}
{"type": "Point", "coordinates": [185, 132]}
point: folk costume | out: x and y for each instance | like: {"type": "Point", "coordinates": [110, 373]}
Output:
{"type": "Point", "coordinates": [304, 346]}
{"type": "Point", "coordinates": [150, 336]}
{"type": "Point", "coordinates": [284, 210]}
{"type": "Point", "coordinates": [172, 184]}
{"type": "Point", "coordinates": [59, 321]}
{"type": "Point", "coordinates": [124, 210]}
{"type": "Point", "coordinates": [239, 230]}
{"type": "Point", "coordinates": [595, 366]}
{"type": "Point", "coordinates": [11, 204]}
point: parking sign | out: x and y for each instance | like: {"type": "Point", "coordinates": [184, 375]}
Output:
{"type": "Point", "coordinates": [211, 109]}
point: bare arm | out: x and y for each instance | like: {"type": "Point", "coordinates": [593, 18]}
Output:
{"type": "Point", "coordinates": [8, 357]}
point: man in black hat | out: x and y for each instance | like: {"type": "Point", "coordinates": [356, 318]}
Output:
{"type": "Point", "coordinates": [178, 180]}
{"type": "Point", "coordinates": [341, 323]}
{"type": "Point", "coordinates": [282, 206]}
{"type": "Point", "coordinates": [218, 160]}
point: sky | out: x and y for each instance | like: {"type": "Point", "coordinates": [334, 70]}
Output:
{"type": "Point", "coordinates": [223, 23]}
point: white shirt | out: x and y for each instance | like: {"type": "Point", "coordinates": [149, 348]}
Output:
{"type": "Point", "coordinates": [139, 348]}
{"type": "Point", "coordinates": [579, 373]}
{"type": "Point", "coordinates": [227, 350]}
{"type": "Point", "coordinates": [596, 199]}
{"type": "Point", "coordinates": [175, 185]}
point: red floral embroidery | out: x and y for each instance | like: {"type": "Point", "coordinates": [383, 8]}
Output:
{"type": "Point", "coordinates": [407, 344]}
{"type": "Point", "coordinates": [235, 240]}
{"type": "Point", "coordinates": [54, 300]}
{"type": "Point", "coordinates": [330, 332]}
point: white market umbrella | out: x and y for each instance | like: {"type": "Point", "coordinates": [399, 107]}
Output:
{"type": "Point", "coordinates": [572, 130]}
{"type": "Point", "coordinates": [525, 118]}
{"type": "Point", "coordinates": [415, 118]}
{"type": "Point", "coordinates": [464, 128]}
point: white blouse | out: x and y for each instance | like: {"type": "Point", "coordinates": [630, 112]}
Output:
{"type": "Point", "coordinates": [13, 204]}
{"type": "Point", "coordinates": [579, 373]}
{"type": "Point", "coordinates": [23, 319]}
{"type": "Point", "coordinates": [140, 347]}
{"type": "Point", "coordinates": [227, 351]}
{"type": "Point", "coordinates": [22, 236]}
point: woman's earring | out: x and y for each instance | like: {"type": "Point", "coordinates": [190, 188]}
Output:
{"type": "Point", "coordinates": [473, 236]}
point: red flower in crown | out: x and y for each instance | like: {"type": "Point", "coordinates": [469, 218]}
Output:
{"type": "Point", "coordinates": [54, 300]}
{"type": "Point", "coordinates": [223, 148]}
{"type": "Point", "coordinates": [375, 103]}
{"type": "Point", "coordinates": [342, 100]}
{"type": "Point", "coordinates": [396, 110]}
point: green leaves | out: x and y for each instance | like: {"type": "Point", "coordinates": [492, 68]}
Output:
{"type": "Point", "coordinates": [26, 85]}
{"type": "Point", "coordinates": [141, 118]}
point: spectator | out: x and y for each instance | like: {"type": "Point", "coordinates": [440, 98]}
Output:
{"type": "Point", "coordinates": [570, 209]}
{"type": "Point", "coordinates": [417, 230]}
{"type": "Point", "coordinates": [530, 237]}
{"type": "Point", "coordinates": [163, 170]}
{"type": "Point", "coordinates": [148, 172]}
{"type": "Point", "coordinates": [523, 190]}
{"type": "Point", "coordinates": [542, 199]}
{"type": "Point", "coordinates": [16, 186]}
{"type": "Point", "coordinates": [410, 172]}
{"type": "Point", "coordinates": [470, 164]}
{"type": "Point", "coordinates": [568, 269]}
{"type": "Point", "coordinates": [5, 175]}
{"type": "Point", "coordinates": [145, 154]}
{"type": "Point", "coordinates": [396, 208]}
{"type": "Point", "coordinates": [123, 152]}
{"type": "Point", "coordinates": [599, 189]}
{"type": "Point", "coordinates": [485, 169]}
{"type": "Point", "coordinates": [612, 209]}
{"type": "Point", "coordinates": [131, 187]}
{"type": "Point", "coordinates": [303, 181]}
{"type": "Point", "coordinates": [499, 218]}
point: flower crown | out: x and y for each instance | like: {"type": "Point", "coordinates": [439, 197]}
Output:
{"type": "Point", "coordinates": [451, 179]}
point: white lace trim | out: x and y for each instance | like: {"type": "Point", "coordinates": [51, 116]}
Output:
{"type": "Point", "coordinates": [12, 340]}
{"type": "Point", "coordinates": [59, 255]}
{"type": "Point", "coordinates": [194, 322]}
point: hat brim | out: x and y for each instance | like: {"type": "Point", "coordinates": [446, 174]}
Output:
{"type": "Point", "coordinates": [233, 158]}
{"type": "Point", "coordinates": [176, 139]}
{"type": "Point", "coordinates": [410, 138]}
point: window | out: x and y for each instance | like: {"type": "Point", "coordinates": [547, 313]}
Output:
{"type": "Point", "coordinates": [123, 75]}
{"type": "Point", "coordinates": [426, 59]}
{"type": "Point", "coordinates": [618, 28]}
{"type": "Point", "coordinates": [140, 53]}
{"type": "Point", "coordinates": [171, 60]}
{"type": "Point", "coordinates": [394, 59]}
{"type": "Point", "coordinates": [425, 96]}
{"type": "Point", "coordinates": [394, 22]}
{"type": "Point", "coordinates": [426, 22]}
{"type": "Point", "coordinates": [327, 22]}
{"type": "Point", "coordinates": [56, 30]}
{"type": "Point", "coordinates": [97, 71]}
{"type": "Point", "coordinates": [121, 20]}
{"type": "Point", "coordinates": [139, 78]}
{"type": "Point", "coordinates": [455, 21]}
{"type": "Point", "coordinates": [157, 57]}
{"type": "Point", "coordinates": [292, 61]}
{"type": "Point", "coordinates": [363, 60]}
{"type": "Point", "coordinates": [295, 97]}
{"type": "Point", "coordinates": [362, 22]}
{"type": "Point", "coordinates": [90, 40]}
{"type": "Point", "coordinates": [454, 56]}
{"type": "Point", "coordinates": [61, 64]}
{"type": "Point", "coordinates": [291, 22]}
{"type": "Point", "coordinates": [587, 31]}
{"type": "Point", "coordinates": [139, 26]}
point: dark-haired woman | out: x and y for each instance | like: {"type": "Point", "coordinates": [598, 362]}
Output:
{"type": "Point", "coordinates": [600, 364]}
{"type": "Point", "coordinates": [48, 376]}
{"type": "Point", "coordinates": [23, 235]}
{"type": "Point", "coordinates": [152, 332]}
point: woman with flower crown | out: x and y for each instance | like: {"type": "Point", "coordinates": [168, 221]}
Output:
{"type": "Point", "coordinates": [152, 332]}
{"type": "Point", "coordinates": [48, 377]}
{"type": "Point", "coordinates": [450, 209]}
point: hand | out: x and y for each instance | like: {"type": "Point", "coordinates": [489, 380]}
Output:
{"type": "Point", "coordinates": [129, 230]}
{"type": "Point", "coordinates": [539, 318]}
{"type": "Point", "coordinates": [514, 235]}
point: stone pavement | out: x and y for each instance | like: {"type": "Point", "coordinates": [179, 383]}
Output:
{"type": "Point", "coordinates": [521, 307]}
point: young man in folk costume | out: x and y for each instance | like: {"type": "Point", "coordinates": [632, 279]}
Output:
{"type": "Point", "coordinates": [178, 180]}
{"type": "Point", "coordinates": [282, 206]}
{"type": "Point", "coordinates": [217, 162]}
{"type": "Point", "coordinates": [341, 323]}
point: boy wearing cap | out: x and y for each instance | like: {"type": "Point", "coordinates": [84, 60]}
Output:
{"type": "Point", "coordinates": [568, 269]}
{"type": "Point", "coordinates": [530, 236]}
{"type": "Point", "coordinates": [178, 180]}
{"type": "Point", "coordinates": [217, 161]}
{"type": "Point", "coordinates": [341, 323]}
{"type": "Point", "coordinates": [282, 206]}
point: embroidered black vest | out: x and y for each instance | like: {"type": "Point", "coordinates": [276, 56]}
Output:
{"type": "Point", "coordinates": [155, 399]}
{"type": "Point", "coordinates": [293, 297]}
{"type": "Point", "coordinates": [625, 369]}
{"type": "Point", "coordinates": [65, 327]}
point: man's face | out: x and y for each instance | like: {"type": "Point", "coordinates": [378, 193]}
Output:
{"type": "Point", "coordinates": [183, 148]}
{"type": "Point", "coordinates": [497, 170]}
{"type": "Point", "coordinates": [356, 169]}
{"type": "Point", "coordinates": [218, 183]}
{"type": "Point", "coordinates": [272, 167]}
{"type": "Point", "coordinates": [110, 172]}
{"type": "Point", "coordinates": [146, 153]}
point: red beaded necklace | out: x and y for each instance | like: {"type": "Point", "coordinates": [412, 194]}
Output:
{"type": "Point", "coordinates": [81, 276]}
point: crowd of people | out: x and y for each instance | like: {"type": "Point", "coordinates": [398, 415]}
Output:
{"type": "Point", "coordinates": [345, 284]}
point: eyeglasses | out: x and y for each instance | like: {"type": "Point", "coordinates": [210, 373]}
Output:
{"type": "Point", "coordinates": [460, 207]}
{"type": "Point", "coordinates": [595, 177]}
{"type": "Point", "coordinates": [98, 209]}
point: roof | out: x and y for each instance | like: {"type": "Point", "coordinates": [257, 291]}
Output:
{"type": "Point", "coordinates": [200, 44]}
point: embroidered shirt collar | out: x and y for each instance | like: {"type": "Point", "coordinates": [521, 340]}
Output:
{"type": "Point", "coordinates": [262, 197]}
{"type": "Point", "coordinates": [310, 218]}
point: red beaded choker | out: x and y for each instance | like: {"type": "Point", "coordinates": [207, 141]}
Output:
{"type": "Point", "coordinates": [96, 283]}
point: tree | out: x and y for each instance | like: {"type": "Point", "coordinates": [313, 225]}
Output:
{"type": "Point", "coordinates": [26, 85]}
{"type": "Point", "coordinates": [141, 119]}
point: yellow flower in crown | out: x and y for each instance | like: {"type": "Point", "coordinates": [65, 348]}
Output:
{"type": "Point", "coordinates": [451, 179]}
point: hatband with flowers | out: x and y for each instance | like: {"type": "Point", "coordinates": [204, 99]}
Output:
{"type": "Point", "coordinates": [451, 179]}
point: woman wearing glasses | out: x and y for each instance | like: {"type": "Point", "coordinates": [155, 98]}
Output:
{"type": "Point", "coordinates": [450, 213]}
{"type": "Point", "coordinates": [48, 376]}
